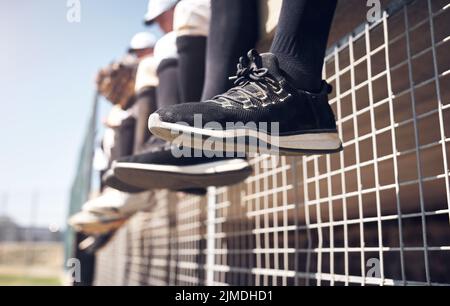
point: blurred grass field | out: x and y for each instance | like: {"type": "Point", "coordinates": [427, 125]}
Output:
{"type": "Point", "coordinates": [31, 264]}
{"type": "Point", "coordinates": [23, 280]}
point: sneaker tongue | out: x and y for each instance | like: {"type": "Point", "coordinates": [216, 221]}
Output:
{"type": "Point", "coordinates": [270, 62]}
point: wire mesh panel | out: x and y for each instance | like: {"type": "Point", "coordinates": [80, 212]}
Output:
{"type": "Point", "coordinates": [391, 181]}
{"type": "Point", "coordinates": [254, 228]}
{"type": "Point", "coordinates": [189, 236]}
{"type": "Point", "coordinates": [110, 266]}
{"type": "Point", "coordinates": [375, 214]}
{"type": "Point", "coordinates": [164, 246]}
{"type": "Point", "coordinates": [137, 260]}
{"type": "Point", "coordinates": [157, 241]}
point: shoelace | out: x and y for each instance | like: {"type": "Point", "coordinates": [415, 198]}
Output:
{"type": "Point", "coordinates": [249, 72]}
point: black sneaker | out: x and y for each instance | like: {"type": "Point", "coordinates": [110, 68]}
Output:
{"type": "Point", "coordinates": [111, 180]}
{"type": "Point", "coordinates": [262, 113]}
{"type": "Point", "coordinates": [162, 169]}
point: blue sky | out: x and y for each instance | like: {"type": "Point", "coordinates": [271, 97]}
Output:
{"type": "Point", "coordinates": [47, 67]}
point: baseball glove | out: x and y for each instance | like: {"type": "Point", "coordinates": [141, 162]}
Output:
{"type": "Point", "coordinates": [116, 82]}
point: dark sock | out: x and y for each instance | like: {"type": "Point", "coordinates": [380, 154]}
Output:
{"type": "Point", "coordinates": [301, 40]}
{"type": "Point", "coordinates": [167, 93]}
{"type": "Point", "coordinates": [191, 63]}
{"type": "Point", "coordinates": [124, 138]}
{"type": "Point", "coordinates": [146, 103]}
{"type": "Point", "coordinates": [87, 263]}
{"type": "Point", "coordinates": [233, 31]}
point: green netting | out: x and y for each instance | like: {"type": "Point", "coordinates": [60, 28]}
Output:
{"type": "Point", "coordinates": [81, 185]}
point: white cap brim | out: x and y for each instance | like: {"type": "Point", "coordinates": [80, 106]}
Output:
{"type": "Point", "coordinates": [157, 8]}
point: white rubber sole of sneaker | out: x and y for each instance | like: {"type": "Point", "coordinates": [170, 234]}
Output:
{"type": "Point", "coordinates": [246, 140]}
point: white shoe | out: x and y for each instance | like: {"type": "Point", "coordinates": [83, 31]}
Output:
{"type": "Point", "coordinates": [93, 223]}
{"type": "Point", "coordinates": [117, 204]}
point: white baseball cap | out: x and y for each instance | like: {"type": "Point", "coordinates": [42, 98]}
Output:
{"type": "Point", "coordinates": [143, 40]}
{"type": "Point", "coordinates": [156, 8]}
